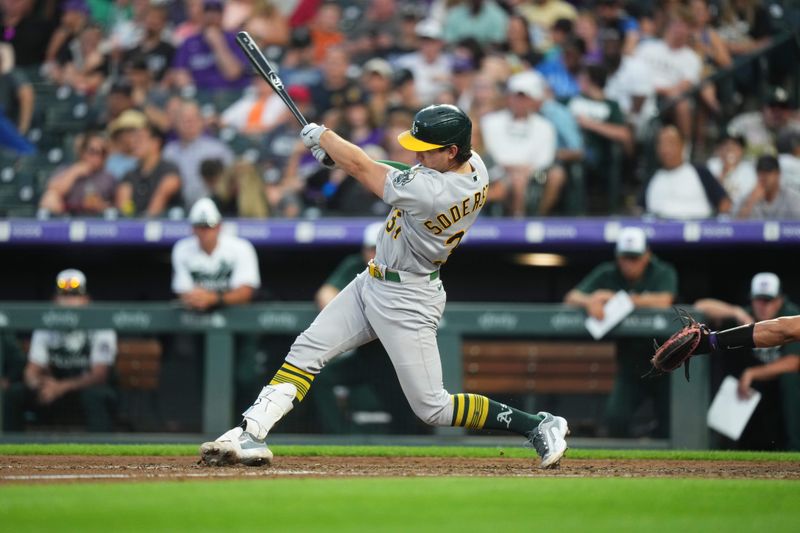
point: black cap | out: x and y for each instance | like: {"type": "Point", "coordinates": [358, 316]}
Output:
{"type": "Point", "coordinates": [402, 76]}
{"type": "Point", "coordinates": [767, 163]}
{"type": "Point", "coordinates": [301, 38]}
{"type": "Point", "coordinates": [778, 97]}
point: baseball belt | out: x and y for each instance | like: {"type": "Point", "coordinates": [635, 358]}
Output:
{"type": "Point", "coordinates": [391, 275]}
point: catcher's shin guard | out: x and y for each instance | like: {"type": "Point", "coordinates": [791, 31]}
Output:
{"type": "Point", "coordinates": [272, 404]}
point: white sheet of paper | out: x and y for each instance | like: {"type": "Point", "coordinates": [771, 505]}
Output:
{"type": "Point", "coordinates": [729, 414]}
{"type": "Point", "coordinates": [616, 309]}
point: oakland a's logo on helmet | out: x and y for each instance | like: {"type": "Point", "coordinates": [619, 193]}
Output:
{"type": "Point", "coordinates": [438, 126]}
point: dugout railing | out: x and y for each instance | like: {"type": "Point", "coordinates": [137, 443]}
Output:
{"type": "Point", "coordinates": [689, 401]}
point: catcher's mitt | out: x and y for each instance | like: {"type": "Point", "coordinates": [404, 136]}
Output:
{"type": "Point", "coordinates": [680, 347]}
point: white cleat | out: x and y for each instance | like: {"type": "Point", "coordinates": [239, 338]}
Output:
{"type": "Point", "coordinates": [235, 446]}
{"type": "Point", "coordinates": [246, 445]}
{"type": "Point", "coordinates": [549, 439]}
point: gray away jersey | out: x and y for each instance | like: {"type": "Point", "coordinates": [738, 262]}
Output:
{"type": "Point", "coordinates": [431, 213]}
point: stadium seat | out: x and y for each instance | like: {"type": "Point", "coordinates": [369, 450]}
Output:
{"type": "Point", "coordinates": [18, 189]}
{"type": "Point", "coordinates": [68, 112]}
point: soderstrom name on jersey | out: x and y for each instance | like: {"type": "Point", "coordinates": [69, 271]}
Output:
{"type": "Point", "coordinates": [458, 210]}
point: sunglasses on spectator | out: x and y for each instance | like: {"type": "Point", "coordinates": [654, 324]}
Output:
{"type": "Point", "coordinates": [70, 287]}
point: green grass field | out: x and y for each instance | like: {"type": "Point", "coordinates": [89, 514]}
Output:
{"type": "Point", "coordinates": [404, 504]}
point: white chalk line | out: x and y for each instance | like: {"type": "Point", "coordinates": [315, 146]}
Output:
{"type": "Point", "coordinates": [48, 477]}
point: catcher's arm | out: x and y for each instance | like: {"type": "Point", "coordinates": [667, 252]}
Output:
{"type": "Point", "coordinates": [695, 339]}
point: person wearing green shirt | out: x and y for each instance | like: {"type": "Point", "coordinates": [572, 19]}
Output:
{"type": "Point", "coordinates": [367, 372]}
{"type": "Point", "coordinates": [650, 283]}
{"type": "Point", "coordinates": [767, 302]}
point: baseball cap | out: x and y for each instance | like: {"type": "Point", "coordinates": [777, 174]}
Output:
{"type": "Point", "coordinates": [371, 233]}
{"type": "Point", "coordinates": [204, 212]}
{"type": "Point", "coordinates": [767, 163]}
{"type": "Point", "coordinates": [128, 120]}
{"type": "Point", "coordinates": [301, 38]}
{"type": "Point", "coordinates": [778, 97]}
{"type": "Point", "coordinates": [529, 83]}
{"type": "Point", "coordinates": [631, 242]}
{"type": "Point", "coordinates": [71, 282]}
{"type": "Point", "coordinates": [402, 76]}
{"type": "Point", "coordinates": [765, 285]}
{"type": "Point", "coordinates": [428, 29]}
{"type": "Point", "coordinates": [379, 66]}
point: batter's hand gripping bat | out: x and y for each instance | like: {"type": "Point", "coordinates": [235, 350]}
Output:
{"type": "Point", "coordinates": [265, 70]}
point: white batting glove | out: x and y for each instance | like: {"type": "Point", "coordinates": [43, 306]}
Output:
{"type": "Point", "coordinates": [322, 156]}
{"type": "Point", "coordinates": [311, 133]}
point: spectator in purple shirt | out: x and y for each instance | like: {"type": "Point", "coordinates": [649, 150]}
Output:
{"type": "Point", "coordinates": [211, 59]}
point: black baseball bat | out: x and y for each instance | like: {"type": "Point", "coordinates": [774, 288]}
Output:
{"type": "Point", "coordinates": [264, 68]}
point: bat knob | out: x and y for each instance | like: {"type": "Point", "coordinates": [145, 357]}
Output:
{"type": "Point", "coordinates": [327, 160]}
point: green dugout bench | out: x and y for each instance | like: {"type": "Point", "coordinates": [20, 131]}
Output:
{"type": "Point", "coordinates": [529, 362]}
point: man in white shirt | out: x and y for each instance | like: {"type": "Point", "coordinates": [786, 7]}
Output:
{"type": "Point", "coordinates": [522, 142]}
{"type": "Point", "coordinates": [679, 190]}
{"type": "Point", "coordinates": [735, 173]}
{"type": "Point", "coordinates": [431, 66]}
{"type": "Point", "coordinates": [673, 67]}
{"type": "Point", "coordinates": [769, 199]}
{"type": "Point", "coordinates": [211, 269]}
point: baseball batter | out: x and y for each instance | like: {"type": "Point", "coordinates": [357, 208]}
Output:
{"type": "Point", "coordinates": [399, 298]}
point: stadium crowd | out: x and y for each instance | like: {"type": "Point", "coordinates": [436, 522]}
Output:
{"type": "Point", "coordinates": [133, 108]}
